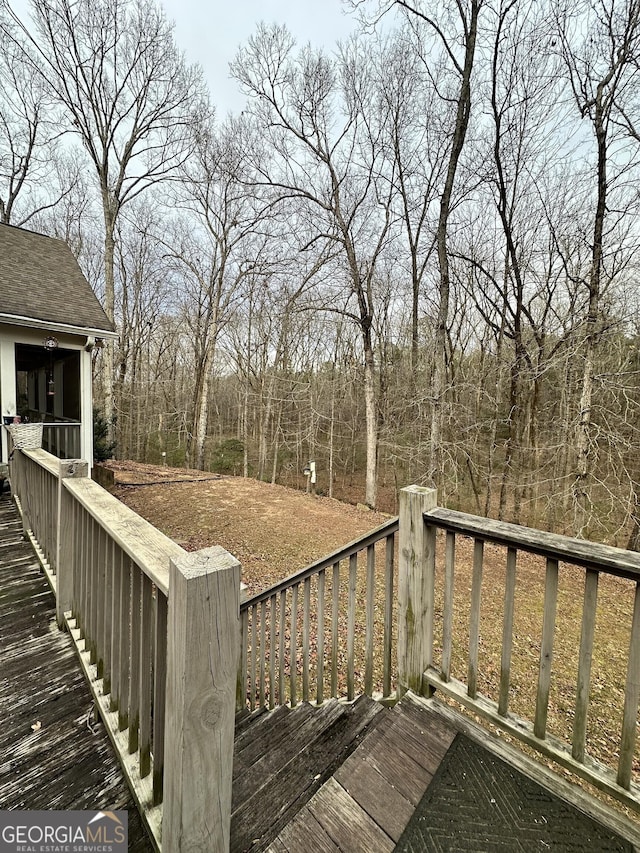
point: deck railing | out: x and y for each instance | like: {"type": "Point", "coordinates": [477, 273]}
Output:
{"type": "Point", "coordinates": [436, 586]}
{"type": "Point", "coordinates": [326, 631]}
{"type": "Point", "coordinates": [520, 684]}
{"type": "Point", "coordinates": [157, 633]}
{"type": "Point", "coordinates": [60, 436]}
{"type": "Point", "coordinates": [62, 439]}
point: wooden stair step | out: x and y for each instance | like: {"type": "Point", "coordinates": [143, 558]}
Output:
{"type": "Point", "coordinates": [287, 779]}
{"type": "Point", "coordinates": [278, 747]}
{"type": "Point", "coordinates": [248, 726]}
{"type": "Point", "coordinates": [277, 733]}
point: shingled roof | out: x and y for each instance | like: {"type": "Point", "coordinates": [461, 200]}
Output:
{"type": "Point", "coordinates": [40, 280]}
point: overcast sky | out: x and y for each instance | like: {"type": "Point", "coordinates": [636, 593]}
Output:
{"type": "Point", "coordinates": [210, 34]}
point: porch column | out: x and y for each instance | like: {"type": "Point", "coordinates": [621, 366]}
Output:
{"type": "Point", "coordinates": [86, 408]}
{"type": "Point", "coordinates": [8, 396]}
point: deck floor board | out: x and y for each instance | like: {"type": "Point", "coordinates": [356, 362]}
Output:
{"type": "Point", "coordinates": [66, 761]}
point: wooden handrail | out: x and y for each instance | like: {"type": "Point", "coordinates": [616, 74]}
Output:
{"type": "Point", "coordinates": [156, 631]}
{"type": "Point", "coordinates": [375, 535]}
{"type": "Point", "coordinates": [432, 668]}
{"type": "Point", "coordinates": [581, 552]}
{"type": "Point", "coordinates": [283, 629]}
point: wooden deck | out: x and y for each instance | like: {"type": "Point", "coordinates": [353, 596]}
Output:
{"type": "Point", "coordinates": [54, 753]}
{"type": "Point", "coordinates": [339, 777]}
{"type": "Point", "coordinates": [366, 803]}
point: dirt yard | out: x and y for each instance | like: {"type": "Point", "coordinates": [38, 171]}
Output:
{"type": "Point", "coordinates": [272, 530]}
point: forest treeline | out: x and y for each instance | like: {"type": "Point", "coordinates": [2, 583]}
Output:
{"type": "Point", "coordinates": [411, 257]}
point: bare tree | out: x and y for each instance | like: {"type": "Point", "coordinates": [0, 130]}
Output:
{"type": "Point", "coordinates": [128, 95]}
{"type": "Point", "coordinates": [215, 251]}
{"type": "Point", "coordinates": [30, 180]}
{"type": "Point", "coordinates": [325, 137]}
{"type": "Point", "coordinates": [600, 44]}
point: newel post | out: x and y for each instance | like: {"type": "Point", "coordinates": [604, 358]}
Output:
{"type": "Point", "coordinates": [65, 537]}
{"type": "Point", "coordinates": [202, 657]}
{"type": "Point", "coordinates": [416, 570]}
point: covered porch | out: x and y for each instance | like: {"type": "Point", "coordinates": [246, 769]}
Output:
{"type": "Point", "coordinates": [47, 383]}
{"type": "Point", "coordinates": [51, 324]}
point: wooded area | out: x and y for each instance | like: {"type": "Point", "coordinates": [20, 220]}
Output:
{"type": "Point", "coordinates": [411, 258]}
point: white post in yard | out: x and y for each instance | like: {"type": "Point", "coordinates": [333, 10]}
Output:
{"type": "Point", "coordinates": [202, 660]}
{"type": "Point", "coordinates": [416, 569]}
{"type": "Point", "coordinates": [65, 539]}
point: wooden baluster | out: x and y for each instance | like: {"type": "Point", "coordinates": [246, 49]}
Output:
{"type": "Point", "coordinates": [159, 695]}
{"type": "Point", "coordinates": [579, 737]}
{"type": "Point", "coordinates": [369, 617]}
{"type": "Point", "coordinates": [107, 605]}
{"type": "Point", "coordinates": [78, 513]}
{"type": "Point", "coordinates": [134, 658]}
{"type": "Point", "coordinates": [546, 650]}
{"type": "Point", "coordinates": [146, 622]}
{"type": "Point", "coordinates": [89, 635]}
{"type": "Point", "coordinates": [351, 626]}
{"type": "Point", "coordinates": [263, 649]}
{"type": "Point", "coordinates": [293, 644]}
{"type": "Point", "coordinates": [631, 697]}
{"type": "Point", "coordinates": [447, 615]}
{"type": "Point", "coordinates": [335, 610]}
{"type": "Point", "coordinates": [125, 643]}
{"type": "Point", "coordinates": [86, 577]}
{"type": "Point", "coordinates": [241, 685]}
{"type": "Point", "coordinates": [474, 618]}
{"type": "Point", "coordinates": [116, 593]}
{"type": "Point", "coordinates": [100, 596]}
{"type": "Point", "coordinates": [320, 639]}
{"type": "Point", "coordinates": [281, 651]}
{"type": "Point", "coordinates": [252, 659]}
{"type": "Point", "coordinates": [272, 652]}
{"type": "Point", "coordinates": [94, 589]}
{"type": "Point", "coordinates": [388, 615]}
{"type": "Point", "coordinates": [306, 608]}
{"type": "Point", "coordinates": [507, 632]}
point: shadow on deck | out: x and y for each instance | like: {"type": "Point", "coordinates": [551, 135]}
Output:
{"type": "Point", "coordinates": [338, 777]}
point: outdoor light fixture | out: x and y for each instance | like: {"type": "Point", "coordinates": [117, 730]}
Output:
{"type": "Point", "coordinates": [50, 344]}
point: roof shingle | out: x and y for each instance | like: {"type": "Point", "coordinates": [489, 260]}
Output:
{"type": "Point", "coordinates": [40, 279]}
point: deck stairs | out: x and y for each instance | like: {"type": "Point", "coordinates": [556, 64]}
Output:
{"type": "Point", "coordinates": [347, 778]}
{"type": "Point", "coordinates": [283, 757]}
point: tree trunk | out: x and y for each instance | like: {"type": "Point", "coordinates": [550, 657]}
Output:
{"type": "Point", "coordinates": [581, 497]}
{"type": "Point", "coordinates": [434, 470]}
{"type": "Point", "coordinates": [108, 353]}
{"type": "Point", "coordinates": [371, 418]}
